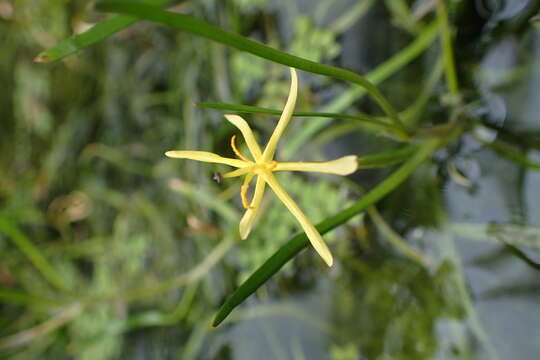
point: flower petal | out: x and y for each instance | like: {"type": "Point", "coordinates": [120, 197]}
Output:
{"type": "Point", "coordinates": [237, 172]}
{"type": "Point", "coordinates": [342, 166]}
{"type": "Point", "coordinates": [313, 235]}
{"type": "Point", "coordinates": [286, 115]}
{"type": "Point", "coordinates": [250, 215]}
{"type": "Point", "coordinates": [206, 157]}
{"type": "Point", "coordinates": [244, 128]}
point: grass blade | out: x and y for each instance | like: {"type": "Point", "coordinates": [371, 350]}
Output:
{"type": "Point", "coordinates": [507, 151]}
{"type": "Point", "coordinates": [386, 158]}
{"type": "Point", "coordinates": [520, 254]}
{"type": "Point", "coordinates": [300, 241]}
{"type": "Point", "coordinates": [211, 32]}
{"type": "Point", "coordinates": [90, 37]}
{"type": "Point", "coordinates": [260, 110]}
{"type": "Point", "coordinates": [447, 50]}
{"type": "Point", "coordinates": [18, 297]}
{"type": "Point", "coordinates": [517, 235]}
{"type": "Point", "coordinates": [32, 253]}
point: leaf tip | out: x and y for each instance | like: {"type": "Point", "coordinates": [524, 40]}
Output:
{"type": "Point", "coordinates": [217, 320]}
{"type": "Point", "coordinates": [42, 58]}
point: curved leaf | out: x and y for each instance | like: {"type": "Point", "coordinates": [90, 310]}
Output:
{"type": "Point", "coordinates": [91, 36]}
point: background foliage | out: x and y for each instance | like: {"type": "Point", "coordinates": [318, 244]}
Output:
{"type": "Point", "coordinates": [109, 250]}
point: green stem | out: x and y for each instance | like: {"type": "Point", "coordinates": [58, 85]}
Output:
{"type": "Point", "coordinates": [32, 253]}
{"type": "Point", "coordinates": [18, 297]}
{"type": "Point", "coordinates": [446, 44]}
{"type": "Point", "coordinates": [386, 158]}
{"type": "Point", "coordinates": [511, 154]}
{"type": "Point", "coordinates": [260, 110]}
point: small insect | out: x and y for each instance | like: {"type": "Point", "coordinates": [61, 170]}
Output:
{"type": "Point", "coordinates": [217, 177]}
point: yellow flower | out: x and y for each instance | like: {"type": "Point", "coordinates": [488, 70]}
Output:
{"type": "Point", "coordinates": [262, 165]}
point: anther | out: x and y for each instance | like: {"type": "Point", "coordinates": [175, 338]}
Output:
{"type": "Point", "coordinates": [243, 196]}
{"type": "Point", "coordinates": [235, 149]}
{"type": "Point", "coordinates": [243, 192]}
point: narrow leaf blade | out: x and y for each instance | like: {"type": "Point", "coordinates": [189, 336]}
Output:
{"type": "Point", "coordinates": [81, 41]}
{"type": "Point", "coordinates": [261, 110]}
{"type": "Point", "coordinates": [32, 252]}
{"type": "Point", "coordinates": [91, 36]}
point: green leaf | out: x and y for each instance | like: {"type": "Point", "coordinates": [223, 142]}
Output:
{"type": "Point", "coordinates": [90, 37]}
{"type": "Point", "coordinates": [447, 49]}
{"type": "Point", "coordinates": [261, 110]}
{"type": "Point", "coordinates": [520, 254]}
{"type": "Point", "coordinates": [300, 241]}
{"type": "Point", "coordinates": [386, 158]}
{"type": "Point", "coordinates": [507, 151]}
{"type": "Point", "coordinates": [33, 254]}
{"type": "Point", "coordinates": [19, 297]}
{"type": "Point", "coordinates": [517, 235]}
{"type": "Point", "coordinates": [211, 32]}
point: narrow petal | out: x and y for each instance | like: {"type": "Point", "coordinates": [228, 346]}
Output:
{"type": "Point", "coordinates": [313, 235]}
{"type": "Point", "coordinates": [286, 115]}
{"type": "Point", "coordinates": [342, 166]}
{"type": "Point", "coordinates": [251, 214]}
{"type": "Point", "coordinates": [206, 157]}
{"type": "Point", "coordinates": [244, 128]}
{"type": "Point", "coordinates": [237, 172]}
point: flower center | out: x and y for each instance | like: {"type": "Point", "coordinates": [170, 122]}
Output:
{"type": "Point", "coordinates": [264, 167]}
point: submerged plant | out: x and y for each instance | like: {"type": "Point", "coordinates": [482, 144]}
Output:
{"type": "Point", "coordinates": [410, 137]}
{"type": "Point", "coordinates": [262, 165]}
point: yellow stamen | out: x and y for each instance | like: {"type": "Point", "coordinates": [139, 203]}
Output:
{"type": "Point", "coordinates": [251, 214]}
{"type": "Point", "coordinates": [243, 192]}
{"type": "Point", "coordinates": [235, 149]}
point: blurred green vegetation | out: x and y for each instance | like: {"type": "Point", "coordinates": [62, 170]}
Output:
{"type": "Point", "coordinates": [109, 250]}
